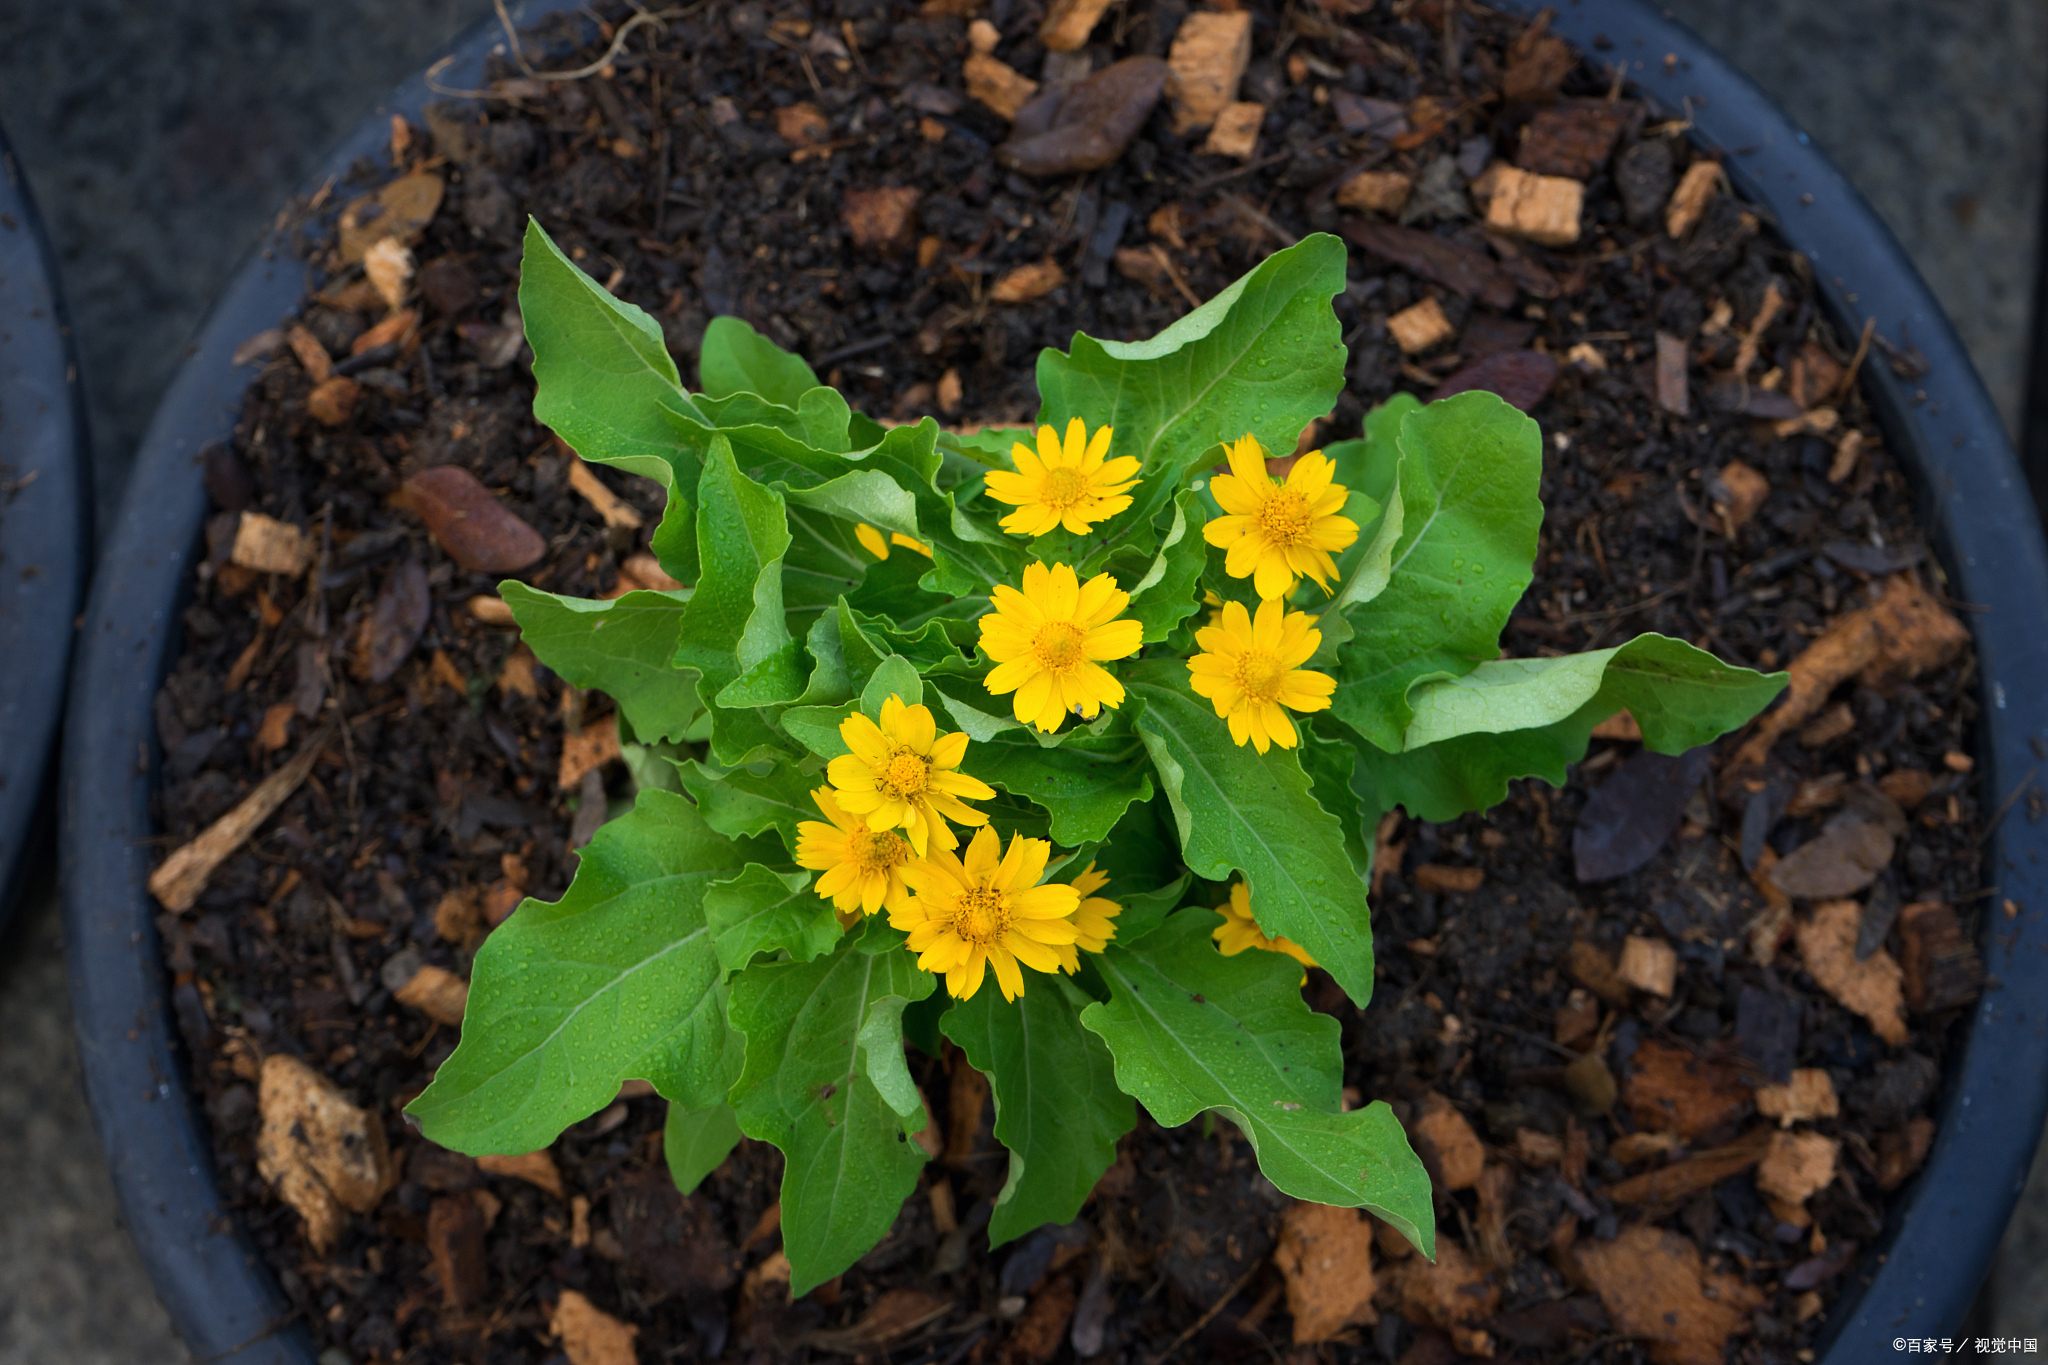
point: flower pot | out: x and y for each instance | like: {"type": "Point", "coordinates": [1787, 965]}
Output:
{"type": "Point", "coordinates": [216, 1287]}
{"type": "Point", "coordinates": [45, 523]}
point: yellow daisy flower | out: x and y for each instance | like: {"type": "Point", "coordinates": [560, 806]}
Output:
{"type": "Point", "coordinates": [1067, 485]}
{"type": "Point", "coordinates": [1093, 928]}
{"type": "Point", "coordinates": [986, 910]}
{"type": "Point", "coordinates": [1276, 533]}
{"type": "Point", "coordinates": [1250, 668]}
{"type": "Point", "coordinates": [863, 868]}
{"type": "Point", "coordinates": [901, 774]}
{"type": "Point", "coordinates": [1049, 642]}
{"type": "Point", "coordinates": [871, 540]}
{"type": "Point", "coordinates": [1240, 931]}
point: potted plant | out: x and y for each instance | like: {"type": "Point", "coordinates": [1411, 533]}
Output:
{"type": "Point", "coordinates": [451, 1204]}
{"type": "Point", "coordinates": [45, 520]}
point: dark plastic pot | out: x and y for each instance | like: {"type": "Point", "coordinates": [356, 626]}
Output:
{"type": "Point", "coordinates": [208, 1273]}
{"type": "Point", "coordinates": [45, 525]}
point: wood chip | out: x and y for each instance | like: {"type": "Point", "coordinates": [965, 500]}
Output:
{"type": "Point", "coordinates": [436, 992]}
{"type": "Point", "coordinates": [1027, 282]}
{"type": "Point", "coordinates": [325, 1156]}
{"type": "Point", "coordinates": [1236, 130]}
{"type": "Point", "coordinates": [182, 876]}
{"type": "Point", "coordinates": [516, 676]}
{"type": "Point", "coordinates": [1068, 24]}
{"type": "Point", "coordinates": [880, 219]}
{"type": "Point", "coordinates": [268, 545]}
{"type": "Point", "coordinates": [1670, 1089]}
{"type": "Point", "coordinates": [401, 210]}
{"type": "Point", "coordinates": [1375, 192]}
{"type": "Point", "coordinates": [1573, 137]}
{"type": "Point", "coordinates": [333, 401]}
{"type": "Point", "coordinates": [587, 750]}
{"type": "Point", "coordinates": [276, 730]}
{"type": "Point", "coordinates": [456, 1225]}
{"type": "Point", "coordinates": [644, 571]}
{"type": "Point", "coordinates": [1620, 726]}
{"type": "Point", "coordinates": [983, 36]}
{"type": "Point", "coordinates": [1577, 1018]}
{"type": "Point", "coordinates": [1736, 491]}
{"type": "Point", "coordinates": [1451, 1295]}
{"type": "Point", "coordinates": [1543, 208]}
{"type": "Point", "coordinates": [1656, 1290]}
{"type": "Point", "coordinates": [1848, 453]}
{"type": "Point", "coordinates": [1672, 394]}
{"type": "Point", "coordinates": [1538, 62]}
{"type": "Point", "coordinates": [1325, 1256]}
{"type": "Point", "coordinates": [490, 609]}
{"type": "Point", "coordinates": [1420, 327]}
{"type": "Point", "coordinates": [1592, 968]}
{"type": "Point", "coordinates": [1900, 1152]}
{"type": "Point", "coordinates": [997, 84]}
{"type": "Point", "coordinates": [388, 266]}
{"type": "Point", "coordinates": [1210, 53]}
{"type": "Point", "coordinates": [459, 917]}
{"type": "Point", "coordinates": [1809, 1095]}
{"type": "Point", "coordinates": [313, 357]}
{"type": "Point", "coordinates": [1455, 880]}
{"type": "Point", "coordinates": [1942, 969]}
{"type": "Point", "coordinates": [1833, 724]}
{"type": "Point", "coordinates": [1632, 1149]}
{"type": "Point", "coordinates": [1797, 1165]}
{"type": "Point", "coordinates": [615, 510]}
{"type": "Point", "coordinates": [1689, 200]}
{"type": "Point", "coordinates": [802, 124]}
{"type": "Point", "coordinates": [1534, 1149]}
{"type": "Point", "coordinates": [1446, 1143]}
{"type": "Point", "coordinates": [1703, 1170]}
{"type": "Point", "coordinates": [1649, 964]}
{"type": "Point", "coordinates": [1872, 988]}
{"type": "Point", "coordinates": [1454, 265]}
{"type": "Point", "coordinates": [469, 521]}
{"type": "Point", "coordinates": [591, 1336]}
{"type": "Point", "coordinates": [535, 1168]}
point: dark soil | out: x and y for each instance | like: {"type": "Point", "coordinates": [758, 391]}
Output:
{"type": "Point", "coordinates": [444, 779]}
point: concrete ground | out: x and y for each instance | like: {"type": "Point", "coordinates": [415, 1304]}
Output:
{"type": "Point", "coordinates": [159, 137]}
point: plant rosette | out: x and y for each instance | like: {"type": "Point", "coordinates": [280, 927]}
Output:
{"type": "Point", "coordinates": [969, 735]}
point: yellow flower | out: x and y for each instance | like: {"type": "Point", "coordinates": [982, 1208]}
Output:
{"type": "Point", "coordinates": [1250, 668]}
{"type": "Point", "coordinates": [871, 540]}
{"type": "Point", "coordinates": [987, 910]}
{"type": "Point", "coordinates": [1092, 921]}
{"type": "Point", "coordinates": [1240, 931]}
{"type": "Point", "coordinates": [1215, 606]}
{"type": "Point", "coordinates": [901, 774]}
{"type": "Point", "coordinates": [1275, 533]}
{"type": "Point", "coordinates": [1049, 642]}
{"type": "Point", "coordinates": [1070, 485]}
{"type": "Point", "coordinates": [863, 867]}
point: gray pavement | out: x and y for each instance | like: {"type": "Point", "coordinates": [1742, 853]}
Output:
{"type": "Point", "coordinates": [160, 137]}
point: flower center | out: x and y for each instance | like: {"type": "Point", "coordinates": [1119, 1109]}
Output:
{"type": "Point", "coordinates": [1284, 519]}
{"type": "Point", "coordinates": [876, 851]}
{"type": "Point", "coordinates": [981, 915]}
{"type": "Point", "coordinates": [906, 774]}
{"type": "Point", "coordinates": [1260, 674]}
{"type": "Point", "coordinates": [1063, 487]}
{"type": "Point", "coordinates": [1059, 645]}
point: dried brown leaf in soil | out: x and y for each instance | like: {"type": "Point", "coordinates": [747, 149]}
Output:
{"type": "Point", "coordinates": [1089, 126]}
{"type": "Point", "coordinates": [459, 917]}
{"type": "Point", "coordinates": [1026, 282]}
{"type": "Point", "coordinates": [1673, 394]}
{"type": "Point", "coordinates": [388, 266]}
{"type": "Point", "coordinates": [1941, 965]}
{"type": "Point", "coordinates": [436, 992]}
{"type": "Point", "coordinates": [276, 730]}
{"type": "Point", "coordinates": [1846, 857]}
{"type": "Point", "coordinates": [1536, 1149]}
{"type": "Point", "coordinates": [400, 210]}
{"type": "Point", "coordinates": [1655, 1288]}
{"type": "Point", "coordinates": [1669, 1089]}
{"type": "Point", "coordinates": [1451, 1294]}
{"type": "Point", "coordinates": [894, 1316]}
{"type": "Point", "coordinates": [802, 124]}
{"type": "Point", "coordinates": [1463, 269]}
{"type": "Point", "coordinates": [1703, 1170]}
{"type": "Point", "coordinates": [1689, 201]}
{"type": "Point", "coordinates": [1538, 62]}
{"type": "Point", "coordinates": [324, 1156]}
{"type": "Point", "coordinates": [333, 401]}
{"type": "Point", "coordinates": [1872, 988]}
{"type": "Point", "coordinates": [479, 532]}
{"type": "Point", "coordinates": [1325, 1256]}
{"type": "Point", "coordinates": [1634, 813]}
{"type": "Point", "coordinates": [1520, 378]}
{"type": "Point", "coordinates": [880, 219]}
{"type": "Point", "coordinates": [1810, 1094]}
{"type": "Point", "coordinates": [267, 545]}
{"type": "Point", "coordinates": [180, 878]}
{"type": "Point", "coordinates": [535, 1168]}
{"type": "Point", "coordinates": [1420, 326]}
{"type": "Point", "coordinates": [395, 623]}
{"type": "Point", "coordinates": [1907, 786]}
{"type": "Point", "coordinates": [1592, 968]}
{"type": "Point", "coordinates": [1210, 53]}
{"type": "Point", "coordinates": [997, 84]}
{"type": "Point", "coordinates": [312, 356]}
{"type": "Point", "coordinates": [1446, 1143]}
{"type": "Point", "coordinates": [1542, 208]}
{"type": "Point", "coordinates": [1797, 1165]}
{"type": "Point", "coordinates": [591, 1336]}
{"type": "Point", "coordinates": [455, 1240]}
{"type": "Point", "coordinates": [1632, 1149]}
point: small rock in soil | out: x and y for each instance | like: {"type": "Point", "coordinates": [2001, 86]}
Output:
{"type": "Point", "coordinates": [479, 532]}
{"type": "Point", "coordinates": [1094, 122]}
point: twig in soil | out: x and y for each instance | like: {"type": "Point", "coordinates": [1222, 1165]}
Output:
{"type": "Point", "coordinates": [1203, 1321]}
{"type": "Point", "coordinates": [1197, 186]}
{"type": "Point", "coordinates": [1527, 1037]}
{"type": "Point", "coordinates": [2004, 806]}
{"type": "Point", "coordinates": [1848, 380]}
{"type": "Point", "coordinates": [1252, 215]}
{"type": "Point", "coordinates": [618, 42]}
{"type": "Point", "coordinates": [1652, 600]}
{"type": "Point", "coordinates": [1173, 273]}
{"type": "Point", "coordinates": [182, 876]}
{"type": "Point", "coordinates": [858, 348]}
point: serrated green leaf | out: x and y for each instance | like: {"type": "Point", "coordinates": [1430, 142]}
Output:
{"type": "Point", "coordinates": [817, 727]}
{"type": "Point", "coordinates": [625, 646]}
{"type": "Point", "coordinates": [980, 725]}
{"type": "Point", "coordinates": [829, 684]}
{"type": "Point", "coordinates": [1329, 765]}
{"type": "Point", "coordinates": [1242, 811]}
{"type": "Point", "coordinates": [806, 1087]}
{"type": "Point", "coordinates": [895, 676]}
{"type": "Point", "coordinates": [1139, 915]}
{"type": "Point", "coordinates": [1370, 467]}
{"type": "Point", "coordinates": [867, 495]}
{"type": "Point", "coordinates": [1085, 793]}
{"type": "Point", "coordinates": [761, 911]}
{"type": "Point", "coordinates": [737, 359]}
{"type": "Point", "coordinates": [1443, 781]}
{"type": "Point", "coordinates": [696, 1142]}
{"type": "Point", "coordinates": [1468, 474]}
{"type": "Point", "coordinates": [616, 980]}
{"type": "Point", "coordinates": [1192, 1030]}
{"type": "Point", "coordinates": [1058, 1109]}
{"type": "Point", "coordinates": [1264, 357]}
{"type": "Point", "coordinates": [1164, 595]}
{"type": "Point", "coordinates": [745, 803]}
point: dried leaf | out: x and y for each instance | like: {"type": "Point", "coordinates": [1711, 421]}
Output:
{"type": "Point", "coordinates": [1027, 282]}
{"type": "Point", "coordinates": [1446, 1143]}
{"type": "Point", "coordinates": [268, 545]}
{"type": "Point", "coordinates": [1631, 815]}
{"type": "Point", "coordinates": [1797, 1165]}
{"type": "Point", "coordinates": [535, 1168]}
{"type": "Point", "coordinates": [436, 992]}
{"type": "Point", "coordinates": [1846, 857]}
{"type": "Point", "coordinates": [401, 210]}
{"type": "Point", "coordinates": [1872, 988]}
{"type": "Point", "coordinates": [586, 751]}
{"type": "Point", "coordinates": [395, 624]}
{"type": "Point", "coordinates": [1655, 1288]}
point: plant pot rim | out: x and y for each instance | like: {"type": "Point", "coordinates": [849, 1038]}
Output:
{"type": "Point", "coordinates": [1974, 505]}
{"type": "Point", "coordinates": [45, 522]}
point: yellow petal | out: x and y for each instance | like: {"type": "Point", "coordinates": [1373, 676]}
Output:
{"type": "Point", "coordinates": [871, 540]}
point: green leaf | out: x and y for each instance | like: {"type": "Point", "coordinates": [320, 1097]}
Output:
{"type": "Point", "coordinates": [1086, 794]}
{"type": "Point", "coordinates": [980, 725]}
{"type": "Point", "coordinates": [1329, 764]}
{"type": "Point", "coordinates": [1192, 1030]}
{"type": "Point", "coordinates": [1371, 469]}
{"type": "Point", "coordinates": [696, 1142]}
{"type": "Point", "coordinates": [1445, 780]}
{"type": "Point", "coordinates": [735, 618]}
{"type": "Point", "coordinates": [761, 911]}
{"type": "Point", "coordinates": [1468, 473]}
{"type": "Point", "coordinates": [817, 727]}
{"type": "Point", "coordinates": [807, 1088]}
{"type": "Point", "coordinates": [1265, 356]}
{"type": "Point", "coordinates": [1165, 596]}
{"type": "Point", "coordinates": [895, 676]}
{"type": "Point", "coordinates": [743, 803]}
{"type": "Point", "coordinates": [737, 359]}
{"type": "Point", "coordinates": [867, 495]}
{"type": "Point", "coordinates": [625, 646]}
{"type": "Point", "coordinates": [616, 980]}
{"type": "Point", "coordinates": [1058, 1108]}
{"type": "Point", "coordinates": [1139, 915]}
{"type": "Point", "coordinates": [1242, 811]}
